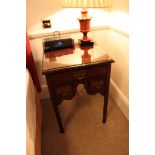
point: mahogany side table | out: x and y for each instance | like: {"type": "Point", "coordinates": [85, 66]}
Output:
{"type": "Point", "coordinates": [67, 68]}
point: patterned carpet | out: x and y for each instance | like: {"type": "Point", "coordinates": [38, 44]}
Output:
{"type": "Point", "coordinates": [85, 134]}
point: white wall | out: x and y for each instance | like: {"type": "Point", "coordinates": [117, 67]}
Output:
{"type": "Point", "coordinates": [37, 10]}
{"type": "Point", "coordinates": [118, 47]}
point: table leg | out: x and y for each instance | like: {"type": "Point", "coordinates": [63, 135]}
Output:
{"type": "Point", "coordinates": [106, 94]}
{"type": "Point", "coordinates": [58, 118]}
{"type": "Point", "coordinates": [105, 108]}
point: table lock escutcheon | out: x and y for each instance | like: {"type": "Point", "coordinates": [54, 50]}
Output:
{"type": "Point", "coordinates": [80, 75]}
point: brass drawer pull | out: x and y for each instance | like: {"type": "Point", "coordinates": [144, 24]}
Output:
{"type": "Point", "coordinates": [79, 75]}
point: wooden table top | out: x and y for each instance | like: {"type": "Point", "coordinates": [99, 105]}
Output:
{"type": "Point", "coordinates": [71, 57]}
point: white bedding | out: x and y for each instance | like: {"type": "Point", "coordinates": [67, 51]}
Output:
{"type": "Point", "coordinates": [30, 115]}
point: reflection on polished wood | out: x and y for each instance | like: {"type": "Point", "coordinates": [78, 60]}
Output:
{"type": "Point", "coordinates": [86, 57]}
{"type": "Point", "coordinates": [58, 53]}
{"type": "Point", "coordinates": [66, 69]}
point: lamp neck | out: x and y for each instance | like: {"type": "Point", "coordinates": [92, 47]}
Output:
{"type": "Point", "coordinates": [84, 14]}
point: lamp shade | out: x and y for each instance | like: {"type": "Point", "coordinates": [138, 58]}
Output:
{"type": "Point", "coordinates": [86, 3]}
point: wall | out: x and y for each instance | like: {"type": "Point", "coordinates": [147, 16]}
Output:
{"type": "Point", "coordinates": [37, 10]}
{"type": "Point", "coordinates": [61, 19]}
{"type": "Point", "coordinates": [118, 47]}
{"type": "Point", "coordinates": [114, 39]}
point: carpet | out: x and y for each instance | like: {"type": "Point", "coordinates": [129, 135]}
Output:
{"type": "Point", "coordinates": [85, 134]}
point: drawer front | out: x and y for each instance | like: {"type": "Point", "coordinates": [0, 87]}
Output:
{"type": "Point", "coordinates": [68, 76]}
{"type": "Point", "coordinates": [78, 75]}
{"type": "Point", "coordinates": [96, 71]}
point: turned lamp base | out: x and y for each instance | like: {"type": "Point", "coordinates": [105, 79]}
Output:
{"type": "Point", "coordinates": [84, 21]}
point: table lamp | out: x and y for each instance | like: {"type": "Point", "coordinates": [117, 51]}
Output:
{"type": "Point", "coordinates": [85, 19]}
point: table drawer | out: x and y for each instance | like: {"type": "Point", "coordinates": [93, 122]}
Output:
{"type": "Point", "coordinates": [75, 75]}
{"type": "Point", "coordinates": [69, 76]}
{"type": "Point", "coordinates": [96, 71]}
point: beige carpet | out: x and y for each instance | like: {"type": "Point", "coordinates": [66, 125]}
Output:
{"type": "Point", "coordinates": [85, 134]}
